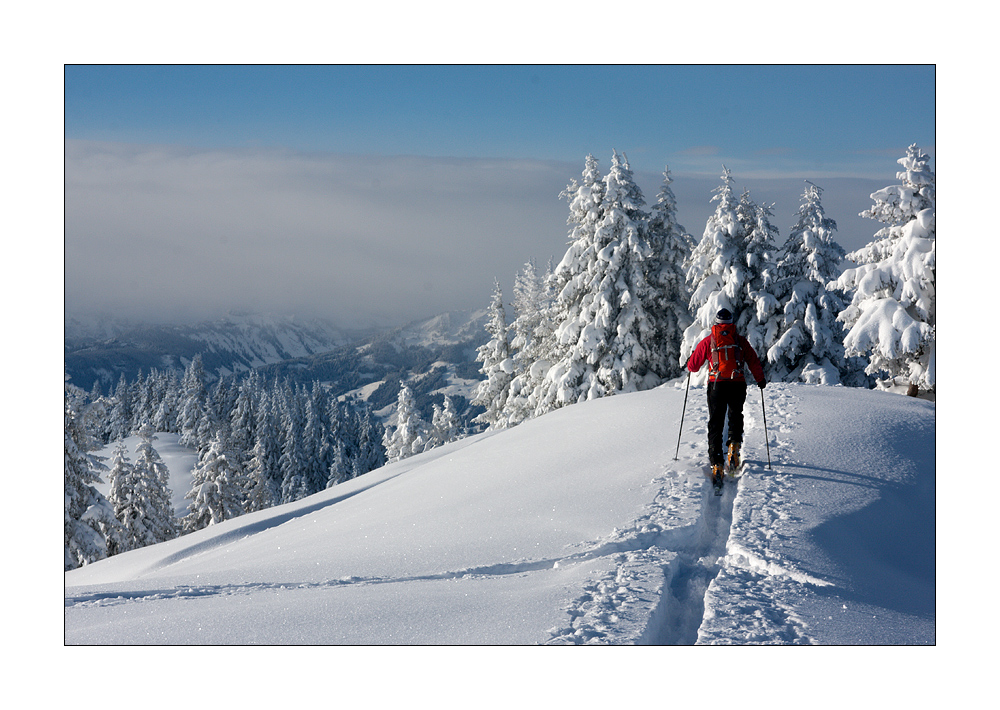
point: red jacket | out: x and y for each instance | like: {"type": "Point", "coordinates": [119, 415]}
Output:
{"type": "Point", "coordinates": [704, 351]}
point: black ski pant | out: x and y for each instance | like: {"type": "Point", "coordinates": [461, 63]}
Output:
{"type": "Point", "coordinates": [724, 397]}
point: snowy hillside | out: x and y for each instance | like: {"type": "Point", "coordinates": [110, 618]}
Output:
{"type": "Point", "coordinates": [577, 527]}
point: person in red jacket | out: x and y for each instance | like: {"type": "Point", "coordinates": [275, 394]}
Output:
{"type": "Point", "coordinates": [726, 352]}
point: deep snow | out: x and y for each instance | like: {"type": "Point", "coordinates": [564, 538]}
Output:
{"type": "Point", "coordinates": [574, 528]}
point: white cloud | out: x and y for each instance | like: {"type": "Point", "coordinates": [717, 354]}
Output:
{"type": "Point", "coordinates": [174, 234]}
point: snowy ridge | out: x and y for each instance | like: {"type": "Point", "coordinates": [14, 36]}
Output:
{"type": "Point", "coordinates": [235, 343]}
{"type": "Point", "coordinates": [577, 527]}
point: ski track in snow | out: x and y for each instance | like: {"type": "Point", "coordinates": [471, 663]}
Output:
{"type": "Point", "coordinates": [679, 569]}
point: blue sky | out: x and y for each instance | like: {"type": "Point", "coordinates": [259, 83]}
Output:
{"type": "Point", "coordinates": [770, 119]}
{"type": "Point", "coordinates": [391, 193]}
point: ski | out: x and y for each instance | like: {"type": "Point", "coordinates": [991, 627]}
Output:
{"type": "Point", "coordinates": [717, 482]}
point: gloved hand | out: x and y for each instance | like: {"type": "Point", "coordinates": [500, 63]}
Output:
{"type": "Point", "coordinates": [762, 383]}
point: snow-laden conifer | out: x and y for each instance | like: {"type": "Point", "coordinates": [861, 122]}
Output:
{"type": "Point", "coordinates": [531, 331]}
{"type": "Point", "coordinates": [409, 436]}
{"type": "Point", "coordinates": [809, 346]}
{"type": "Point", "coordinates": [670, 245]}
{"type": "Point", "coordinates": [568, 282]}
{"type": "Point", "coordinates": [193, 402]}
{"type": "Point", "coordinates": [154, 477]}
{"type": "Point", "coordinates": [260, 492]}
{"type": "Point", "coordinates": [89, 521]}
{"type": "Point", "coordinates": [370, 451]}
{"type": "Point", "coordinates": [445, 424]}
{"type": "Point", "coordinates": [296, 480]}
{"type": "Point", "coordinates": [605, 339]}
{"type": "Point", "coordinates": [216, 488]}
{"type": "Point", "coordinates": [757, 307]}
{"type": "Point", "coordinates": [140, 499]}
{"type": "Point", "coordinates": [127, 502]}
{"type": "Point", "coordinates": [892, 316]}
{"type": "Point", "coordinates": [716, 268]}
{"type": "Point", "coordinates": [120, 414]}
{"type": "Point", "coordinates": [497, 366]}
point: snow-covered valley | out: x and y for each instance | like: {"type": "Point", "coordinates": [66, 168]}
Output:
{"type": "Point", "coordinates": [577, 527]}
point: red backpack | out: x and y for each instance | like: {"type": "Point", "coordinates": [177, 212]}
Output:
{"type": "Point", "coordinates": [727, 355]}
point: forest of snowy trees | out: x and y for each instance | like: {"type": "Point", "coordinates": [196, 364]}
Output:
{"type": "Point", "coordinates": [634, 294]}
{"type": "Point", "coordinates": [621, 311]}
{"type": "Point", "coordinates": [259, 444]}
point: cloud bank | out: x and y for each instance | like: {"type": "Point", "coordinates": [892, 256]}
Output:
{"type": "Point", "coordinates": [168, 234]}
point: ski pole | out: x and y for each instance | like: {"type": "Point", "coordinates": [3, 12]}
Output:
{"type": "Point", "coordinates": [682, 415]}
{"type": "Point", "coordinates": [766, 438]}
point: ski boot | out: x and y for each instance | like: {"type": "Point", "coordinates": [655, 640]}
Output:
{"type": "Point", "coordinates": [733, 461]}
{"type": "Point", "coordinates": [717, 478]}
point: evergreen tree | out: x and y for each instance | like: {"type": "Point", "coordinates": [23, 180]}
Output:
{"type": "Point", "coordinates": [89, 522]}
{"type": "Point", "coordinates": [892, 317]}
{"type": "Point", "coordinates": [165, 417]}
{"type": "Point", "coordinates": [606, 332]}
{"type": "Point", "coordinates": [126, 498]}
{"type": "Point", "coordinates": [444, 424]}
{"type": "Point", "coordinates": [316, 454]}
{"type": "Point", "coordinates": [216, 490]}
{"type": "Point", "coordinates": [671, 245]}
{"type": "Point", "coordinates": [371, 451]}
{"type": "Point", "coordinates": [260, 493]}
{"type": "Point", "coordinates": [808, 347]}
{"type": "Point", "coordinates": [532, 330]}
{"type": "Point", "coordinates": [243, 418]}
{"type": "Point", "coordinates": [716, 269]}
{"type": "Point", "coordinates": [568, 283]}
{"type": "Point", "coordinates": [194, 402]}
{"type": "Point", "coordinates": [497, 367]}
{"type": "Point", "coordinates": [758, 314]}
{"type": "Point", "coordinates": [340, 467]}
{"type": "Point", "coordinates": [153, 478]}
{"type": "Point", "coordinates": [120, 417]}
{"type": "Point", "coordinates": [293, 464]}
{"type": "Point", "coordinates": [409, 436]}
{"type": "Point", "coordinates": [267, 448]}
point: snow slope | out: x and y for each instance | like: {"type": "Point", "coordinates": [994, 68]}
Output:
{"type": "Point", "coordinates": [574, 528]}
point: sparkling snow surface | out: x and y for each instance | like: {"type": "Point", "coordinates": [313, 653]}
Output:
{"type": "Point", "coordinates": [574, 528]}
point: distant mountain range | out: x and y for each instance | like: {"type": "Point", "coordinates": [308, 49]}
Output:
{"type": "Point", "coordinates": [436, 356]}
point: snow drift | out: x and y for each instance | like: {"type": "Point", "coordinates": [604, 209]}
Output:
{"type": "Point", "coordinates": [575, 527]}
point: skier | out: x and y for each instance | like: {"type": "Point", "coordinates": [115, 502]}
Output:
{"type": "Point", "coordinates": [726, 351]}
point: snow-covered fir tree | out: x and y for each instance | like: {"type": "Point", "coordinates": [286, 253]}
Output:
{"type": "Point", "coordinates": [757, 307]}
{"type": "Point", "coordinates": [121, 414]}
{"type": "Point", "coordinates": [216, 489]}
{"type": "Point", "coordinates": [531, 330]}
{"type": "Point", "coordinates": [154, 479]}
{"type": "Point", "coordinates": [409, 435]}
{"type": "Point", "coordinates": [370, 453]}
{"type": "Point", "coordinates": [296, 482]}
{"type": "Point", "coordinates": [193, 402]}
{"type": "Point", "coordinates": [605, 339]}
{"type": "Point", "coordinates": [260, 492]}
{"type": "Point", "coordinates": [445, 424]}
{"type": "Point", "coordinates": [497, 366]}
{"type": "Point", "coordinates": [89, 522]}
{"type": "Point", "coordinates": [267, 447]}
{"type": "Point", "coordinates": [140, 501]}
{"type": "Point", "coordinates": [891, 319]}
{"type": "Point", "coordinates": [568, 281]}
{"type": "Point", "coordinates": [671, 245]}
{"type": "Point", "coordinates": [716, 269]}
{"type": "Point", "coordinates": [126, 498]}
{"type": "Point", "coordinates": [809, 346]}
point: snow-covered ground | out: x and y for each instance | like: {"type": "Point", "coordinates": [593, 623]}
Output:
{"type": "Point", "coordinates": [578, 527]}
